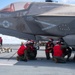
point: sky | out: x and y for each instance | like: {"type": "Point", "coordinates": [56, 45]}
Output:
{"type": "Point", "coordinates": [3, 3]}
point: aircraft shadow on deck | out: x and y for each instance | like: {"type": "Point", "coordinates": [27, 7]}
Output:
{"type": "Point", "coordinates": [47, 63]}
{"type": "Point", "coordinates": [41, 62]}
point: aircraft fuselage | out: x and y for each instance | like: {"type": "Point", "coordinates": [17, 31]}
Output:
{"type": "Point", "coordinates": [48, 19]}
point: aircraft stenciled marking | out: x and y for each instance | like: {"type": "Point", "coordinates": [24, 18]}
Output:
{"type": "Point", "coordinates": [6, 24]}
{"type": "Point", "coordinates": [48, 25]}
{"type": "Point", "coordinates": [64, 27]}
{"type": "Point", "coordinates": [18, 14]}
{"type": "Point", "coordinates": [46, 28]}
{"type": "Point", "coordinates": [3, 15]}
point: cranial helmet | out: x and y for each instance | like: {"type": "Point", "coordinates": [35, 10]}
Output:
{"type": "Point", "coordinates": [57, 42]}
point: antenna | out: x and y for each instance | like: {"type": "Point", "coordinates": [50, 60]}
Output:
{"type": "Point", "coordinates": [48, 1]}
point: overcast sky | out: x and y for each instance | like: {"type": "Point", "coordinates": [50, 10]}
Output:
{"type": "Point", "coordinates": [3, 3]}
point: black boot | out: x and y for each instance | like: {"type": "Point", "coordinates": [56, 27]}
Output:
{"type": "Point", "coordinates": [17, 58]}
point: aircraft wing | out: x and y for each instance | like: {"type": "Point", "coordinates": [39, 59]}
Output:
{"type": "Point", "coordinates": [16, 34]}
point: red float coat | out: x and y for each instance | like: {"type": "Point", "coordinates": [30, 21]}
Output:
{"type": "Point", "coordinates": [49, 46]}
{"type": "Point", "coordinates": [32, 48]}
{"type": "Point", "coordinates": [0, 39]}
{"type": "Point", "coordinates": [21, 50]}
{"type": "Point", "coordinates": [57, 50]}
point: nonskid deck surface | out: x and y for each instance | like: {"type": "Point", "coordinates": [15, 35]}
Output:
{"type": "Point", "coordinates": [41, 66]}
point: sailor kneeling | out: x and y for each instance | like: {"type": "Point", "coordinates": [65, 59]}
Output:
{"type": "Point", "coordinates": [31, 51]}
{"type": "Point", "coordinates": [22, 53]}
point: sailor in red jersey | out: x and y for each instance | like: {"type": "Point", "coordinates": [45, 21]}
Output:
{"type": "Point", "coordinates": [49, 48]}
{"type": "Point", "coordinates": [22, 53]}
{"type": "Point", "coordinates": [1, 41]}
{"type": "Point", "coordinates": [58, 53]}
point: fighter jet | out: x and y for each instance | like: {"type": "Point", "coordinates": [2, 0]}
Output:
{"type": "Point", "coordinates": [40, 18]}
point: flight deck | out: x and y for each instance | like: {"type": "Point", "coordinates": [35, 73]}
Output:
{"type": "Point", "coordinates": [10, 66]}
